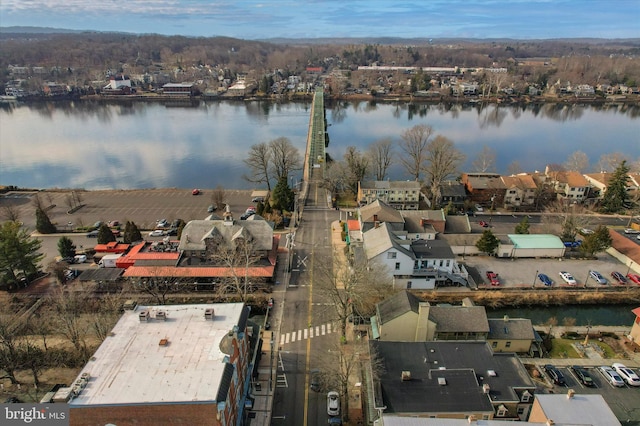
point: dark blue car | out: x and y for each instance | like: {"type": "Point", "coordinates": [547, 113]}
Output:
{"type": "Point", "coordinates": [544, 279]}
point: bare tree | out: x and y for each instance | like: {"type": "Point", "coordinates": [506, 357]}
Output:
{"type": "Point", "coordinates": [237, 257]}
{"type": "Point", "coordinates": [218, 197]}
{"type": "Point", "coordinates": [10, 360]}
{"type": "Point", "coordinates": [351, 287]}
{"type": "Point", "coordinates": [443, 160]}
{"type": "Point", "coordinates": [156, 285]}
{"type": "Point", "coordinates": [514, 168]}
{"type": "Point", "coordinates": [259, 161]}
{"type": "Point", "coordinates": [358, 166]}
{"type": "Point", "coordinates": [10, 213]}
{"type": "Point", "coordinates": [380, 155]}
{"type": "Point", "coordinates": [609, 162]}
{"type": "Point", "coordinates": [577, 162]}
{"type": "Point", "coordinates": [285, 158]}
{"type": "Point", "coordinates": [68, 308]}
{"type": "Point", "coordinates": [414, 145]}
{"type": "Point", "coordinates": [486, 160]}
{"type": "Point", "coordinates": [336, 177]}
{"type": "Point", "coordinates": [106, 315]}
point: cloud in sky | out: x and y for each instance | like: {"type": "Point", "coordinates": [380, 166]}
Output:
{"type": "Point", "coordinates": [255, 19]}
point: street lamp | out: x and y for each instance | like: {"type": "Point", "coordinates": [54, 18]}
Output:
{"type": "Point", "coordinates": [534, 279]}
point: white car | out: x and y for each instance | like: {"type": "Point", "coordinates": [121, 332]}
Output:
{"type": "Point", "coordinates": [479, 208]}
{"type": "Point", "coordinates": [631, 231]}
{"type": "Point", "coordinates": [612, 377]}
{"type": "Point", "coordinates": [333, 403]}
{"type": "Point", "coordinates": [627, 374]}
{"type": "Point", "coordinates": [568, 278]}
{"type": "Point", "coordinates": [156, 233]}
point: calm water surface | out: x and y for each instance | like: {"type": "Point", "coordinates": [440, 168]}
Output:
{"type": "Point", "coordinates": [96, 145]}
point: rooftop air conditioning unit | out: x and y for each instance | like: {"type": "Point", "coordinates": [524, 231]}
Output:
{"type": "Point", "coordinates": [161, 315]}
{"type": "Point", "coordinates": [209, 314]}
{"type": "Point", "coordinates": [406, 376]}
{"type": "Point", "coordinates": [144, 316]}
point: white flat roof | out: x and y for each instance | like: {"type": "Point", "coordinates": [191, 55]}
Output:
{"type": "Point", "coordinates": [131, 367]}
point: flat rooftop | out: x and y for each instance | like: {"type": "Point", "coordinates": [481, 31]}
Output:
{"type": "Point", "coordinates": [135, 366]}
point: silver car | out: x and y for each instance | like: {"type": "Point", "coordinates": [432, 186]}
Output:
{"type": "Point", "coordinates": [597, 277]}
{"type": "Point", "coordinates": [612, 376]}
{"type": "Point", "coordinates": [333, 403]}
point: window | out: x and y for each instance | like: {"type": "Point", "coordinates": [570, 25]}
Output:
{"type": "Point", "coordinates": [520, 411]}
{"type": "Point", "coordinates": [408, 285]}
{"type": "Point", "coordinates": [526, 396]}
{"type": "Point", "coordinates": [507, 345]}
{"type": "Point", "coordinates": [397, 266]}
{"type": "Point", "coordinates": [391, 255]}
{"type": "Point", "coordinates": [494, 344]}
{"type": "Point", "coordinates": [502, 411]}
{"type": "Point", "coordinates": [448, 263]}
{"type": "Point", "coordinates": [441, 263]}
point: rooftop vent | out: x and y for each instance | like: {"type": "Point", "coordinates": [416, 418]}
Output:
{"type": "Point", "coordinates": [505, 318]}
{"type": "Point", "coordinates": [491, 373]}
{"type": "Point", "coordinates": [442, 381]}
{"type": "Point", "coordinates": [129, 305]}
{"type": "Point", "coordinates": [209, 314]}
{"type": "Point", "coordinates": [486, 388]}
{"type": "Point", "coordinates": [144, 316]}
{"type": "Point", "coordinates": [161, 315]}
{"type": "Point", "coordinates": [570, 393]}
{"type": "Point", "coordinates": [163, 342]}
{"type": "Point", "coordinates": [406, 376]}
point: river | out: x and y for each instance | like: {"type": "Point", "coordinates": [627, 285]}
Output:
{"type": "Point", "coordinates": [607, 315]}
{"type": "Point", "coordinates": [129, 145]}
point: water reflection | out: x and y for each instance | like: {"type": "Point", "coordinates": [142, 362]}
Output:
{"type": "Point", "coordinates": [96, 144]}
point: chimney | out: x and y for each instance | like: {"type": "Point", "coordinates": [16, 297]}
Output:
{"type": "Point", "coordinates": [376, 223]}
{"type": "Point", "coordinates": [486, 388]}
{"type": "Point", "coordinates": [406, 376]}
{"type": "Point", "coordinates": [471, 419]}
{"type": "Point", "coordinates": [505, 318]}
{"type": "Point", "coordinates": [570, 393]}
{"type": "Point", "coordinates": [550, 422]}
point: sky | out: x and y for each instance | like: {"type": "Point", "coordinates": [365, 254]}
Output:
{"type": "Point", "coordinates": [263, 19]}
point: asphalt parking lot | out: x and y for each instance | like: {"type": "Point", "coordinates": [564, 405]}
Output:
{"type": "Point", "coordinates": [622, 400]}
{"type": "Point", "coordinates": [524, 272]}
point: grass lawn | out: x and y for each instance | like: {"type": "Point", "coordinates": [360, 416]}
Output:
{"type": "Point", "coordinates": [561, 348]}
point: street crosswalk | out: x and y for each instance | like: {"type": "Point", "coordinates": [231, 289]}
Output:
{"type": "Point", "coordinates": [307, 333]}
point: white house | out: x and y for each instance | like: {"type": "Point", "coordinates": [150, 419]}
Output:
{"type": "Point", "coordinates": [423, 264]}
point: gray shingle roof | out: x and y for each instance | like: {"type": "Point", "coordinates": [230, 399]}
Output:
{"type": "Point", "coordinates": [400, 303]}
{"type": "Point", "coordinates": [196, 232]}
{"type": "Point", "coordinates": [512, 328]}
{"type": "Point", "coordinates": [461, 319]}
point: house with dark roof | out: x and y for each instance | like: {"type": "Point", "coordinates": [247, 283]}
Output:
{"type": "Point", "coordinates": [513, 335]}
{"type": "Point", "coordinates": [406, 318]}
{"type": "Point", "coordinates": [450, 380]}
{"type": "Point", "coordinates": [452, 192]}
{"type": "Point", "coordinates": [484, 188]}
{"type": "Point", "coordinates": [413, 263]}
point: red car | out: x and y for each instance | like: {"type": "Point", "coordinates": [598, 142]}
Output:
{"type": "Point", "coordinates": [195, 192]}
{"type": "Point", "coordinates": [483, 224]}
{"type": "Point", "coordinates": [493, 278]}
{"type": "Point", "coordinates": [634, 277]}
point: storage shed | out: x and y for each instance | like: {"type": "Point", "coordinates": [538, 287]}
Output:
{"type": "Point", "coordinates": [538, 245]}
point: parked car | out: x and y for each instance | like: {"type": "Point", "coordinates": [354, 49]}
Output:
{"type": "Point", "coordinates": [544, 279]}
{"type": "Point", "coordinates": [568, 278]}
{"type": "Point", "coordinates": [250, 209]}
{"type": "Point", "coordinates": [171, 232]}
{"type": "Point", "coordinates": [628, 375]}
{"type": "Point", "coordinates": [92, 234]}
{"type": "Point", "coordinates": [556, 375]}
{"type": "Point", "coordinates": [156, 233]}
{"type": "Point", "coordinates": [257, 200]}
{"type": "Point", "coordinates": [80, 258]}
{"type": "Point", "coordinates": [196, 191]}
{"type": "Point", "coordinates": [483, 224]}
{"type": "Point", "coordinates": [618, 277]}
{"type": "Point", "coordinates": [247, 215]}
{"type": "Point", "coordinates": [634, 277]}
{"type": "Point", "coordinates": [586, 231]}
{"type": "Point", "coordinates": [97, 225]}
{"type": "Point", "coordinates": [479, 208]}
{"type": "Point", "coordinates": [115, 232]}
{"type": "Point", "coordinates": [113, 224]}
{"type": "Point", "coordinates": [597, 277]}
{"type": "Point", "coordinates": [612, 376]}
{"type": "Point", "coordinates": [631, 231]}
{"type": "Point", "coordinates": [211, 208]}
{"type": "Point", "coordinates": [162, 223]}
{"type": "Point", "coordinates": [583, 375]}
{"type": "Point", "coordinates": [572, 244]}
{"type": "Point", "coordinates": [493, 278]}
{"type": "Point", "coordinates": [315, 380]}
{"type": "Point", "coordinates": [333, 403]}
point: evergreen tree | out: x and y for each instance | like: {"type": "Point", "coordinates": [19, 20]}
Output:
{"type": "Point", "coordinates": [43, 223]}
{"type": "Point", "coordinates": [18, 251]}
{"type": "Point", "coordinates": [488, 243]}
{"type": "Point", "coordinates": [523, 226]}
{"type": "Point", "coordinates": [282, 197]}
{"type": "Point", "coordinates": [66, 248]}
{"type": "Point", "coordinates": [105, 235]}
{"type": "Point", "coordinates": [597, 242]}
{"type": "Point", "coordinates": [615, 197]}
{"type": "Point", "coordinates": [131, 233]}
